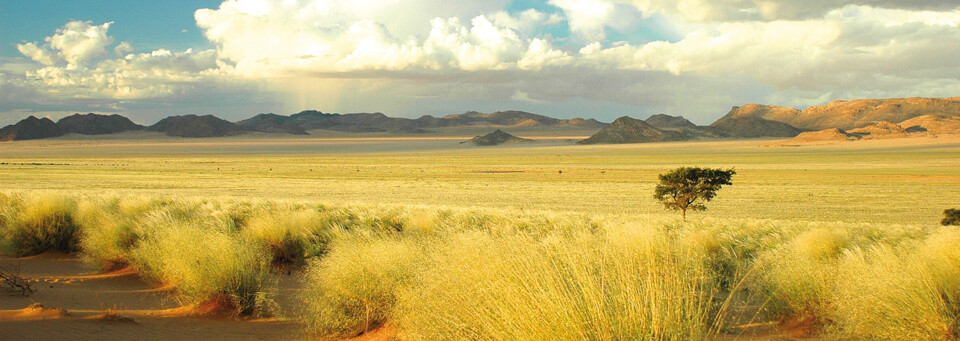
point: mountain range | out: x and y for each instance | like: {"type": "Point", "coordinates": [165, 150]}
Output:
{"type": "Point", "coordinates": [841, 119]}
{"type": "Point", "coordinates": [32, 128]}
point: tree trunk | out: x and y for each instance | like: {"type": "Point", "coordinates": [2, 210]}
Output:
{"type": "Point", "coordinates": [684, 214]}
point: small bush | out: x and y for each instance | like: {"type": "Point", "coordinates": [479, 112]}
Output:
{"type": "Point", "coordinates": [951, 216]}
{"type": "Point", "coordinates": [353, 288]}
{"type": "Point", "coordinates": [291, 235]}
{"type": "Point", "coordinates": [108, 236]}
{"type": "Point", "coordinates": [44, 222]}
{"type": "Point", "coordinates": [206, 263]}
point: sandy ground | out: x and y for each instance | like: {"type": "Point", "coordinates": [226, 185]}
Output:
{"type": "Point", "coordinates": [118, 305]}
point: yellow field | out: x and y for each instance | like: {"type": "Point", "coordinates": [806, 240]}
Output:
{"type": "Point", "coordinates": [422, 238]}
{"type": "Point", "coordinates": [908, 181]}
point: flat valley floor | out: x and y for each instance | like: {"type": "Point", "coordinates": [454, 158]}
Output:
{"type": "Point", "coordinates": [900, 181]}
{"type": "Point", "coordinates": [908, 181]}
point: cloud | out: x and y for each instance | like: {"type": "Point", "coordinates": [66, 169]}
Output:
{"type": "Point", "coordinates": [855, 51]}
{"type": "Point", "coordinates": [122, 49]}
{"type": "Point", "coordinates": [589, 18]}
{"type": "Point", "coordinates": [524, 21]}
{"type": "Point", "coordinates": [158, 74]}
{"type": "Point", "coordinates": [72, 76]}
{"type": "Point", "coordinates": [76, 43]}
{"type": "Point", "coordinates": [767, 10]}
{"type": "Point", "coordinates": [39, 54]}
{"type": "Point", "coordinates": [318, 39]}
{"type": "Point", "coordinates": [403, 57]}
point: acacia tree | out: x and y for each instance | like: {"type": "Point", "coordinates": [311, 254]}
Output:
{"type": "Point", "coordinates": [951, 216]}
{"type": "Point", "coordinates": [690, 188]}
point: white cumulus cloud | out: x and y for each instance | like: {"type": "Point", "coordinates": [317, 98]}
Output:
{"type": "Point", "coordinates": [589, 18]}
{"type": "Point", "coordinates": [280, 37]}
{"type": "Point", "coordinates": [77, 43]}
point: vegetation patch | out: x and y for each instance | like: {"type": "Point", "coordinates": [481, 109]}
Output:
{"type": "Point", "coordinates": [41, 223]}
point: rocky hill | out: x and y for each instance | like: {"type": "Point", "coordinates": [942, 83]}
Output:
{"type": "Point", "coordinates": [753, 127]}
{"type": "Point", "coordinates": [881, 130]}
{"type": "Point", "coordinates": [925, 125]}
{"type": "Point", "coordinates": [300, 122]}
{"type": "Point", "coordinates": [832, 134]}
{"type": "Point", "coordinates": [497, 137]}
{"type": "Point", "coordinates": [30, 128]}
{"type": "Point", "coordinates": [196, 126]}
{"type": "Point", "coordinates": [933, 123]}
{"type": "Point", "coordinates": [630, 130]}
{"type": "Point", "coordinates": [93, 124]}
{"type": "Point", "coordinates": [667, 121]}
{"type": "Point", "coordinates": [852, 114]}
{"type": "Point", "coordinates": [272, 123]}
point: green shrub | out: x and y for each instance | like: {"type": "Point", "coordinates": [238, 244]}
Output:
{"type": "Point", "coordinates": [951, 216]}
{"type": "Point", "coordinates": [43, 222]}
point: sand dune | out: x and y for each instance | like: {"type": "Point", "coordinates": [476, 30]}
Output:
{"type": "Point", "coordinates": [72, 303]}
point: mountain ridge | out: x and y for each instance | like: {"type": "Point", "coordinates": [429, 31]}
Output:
{"type": "Point", "coordinates": [747, 121]}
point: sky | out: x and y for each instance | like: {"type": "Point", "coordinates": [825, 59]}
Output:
{"type": "Point", "coordinates": [563, 58]}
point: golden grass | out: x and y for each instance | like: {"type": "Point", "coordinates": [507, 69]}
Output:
{"type": "Point", "coordinates": [451, 242]}
{"type": "Point", "coordinates": [891, 181]}
{"type": "Point", "coordinates": [40, 223]}
{"type": "Point", "coordinates": [449, 273]}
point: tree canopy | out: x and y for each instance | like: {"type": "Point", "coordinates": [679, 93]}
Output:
{"type": "Point", "coordinates": [689, 188]}
{"type": "Point", "coordinates": [951, 216]}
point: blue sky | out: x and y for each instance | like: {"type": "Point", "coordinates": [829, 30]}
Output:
{"type": "Point", "coordinates": [564, 58]}
{"type": "Point", "coordinates": [150, 24]}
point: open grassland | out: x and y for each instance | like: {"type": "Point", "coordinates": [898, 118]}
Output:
{"type": "Point", "coordinates": [892, 181]}
{"type": "Point", "coordinates": [435, 273]}
{"type": "Point", "coordinates": [436, 241]}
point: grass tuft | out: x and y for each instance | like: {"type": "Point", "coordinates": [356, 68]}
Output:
{"type": "Point", "coordinates": [205, 261]}
{"type": "Point", "coordinates": [42, 223]}
{"type": "Point", "coordinates": [353, 289]}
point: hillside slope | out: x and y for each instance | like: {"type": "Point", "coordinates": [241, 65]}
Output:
{"type": "Point", "coordinates": [630, 130]}
{"type": "Point", "coordinates": [852, 114]}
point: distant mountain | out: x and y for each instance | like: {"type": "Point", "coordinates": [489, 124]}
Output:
{"type": "Point", "coordinates": [752, 127]}
{"type": "Point", "coordinates": [352, 123]}
{"type": "Point", "coordinates": [667, 121]}
{"type": "Point", "coordinates": [30, 128]}
{"type": "Point", "coordinates": [925, 125]}
{"type": "Point", "coordinates": [503, 118]}
{"type": "Point", "coordinates": [93, 124]}
{"type": "Point", "coordinates": [881, 130]}
{"type": "Point", "coordinates": [832, 134]}
{"type": "Point", "coordinates": [377, 122]}
{"type": "Point", "coordinates": [272, 123]}
{"type": "Point", "coordinates": [852, 114]}
{"type": "Point", "coordinates": [700, 132]}
{"type": "Point", "coordinates": [933, 124]}
{"type": "Point", "coordinates": [630, 130]}
{"type": "Point", "coordinates": [197, 126]}
{"type": "Point", "coordinates": [496, 138]}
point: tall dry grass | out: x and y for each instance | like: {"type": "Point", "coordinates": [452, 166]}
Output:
{"type": "Point", "coordinates": [448, 273]}
{"type": "Point", "coordinates": [629, 283]}
{"type": "Point", "coordinates": [202, 256]}
{"type": "Point", "coordinates": [354, 288]}
{"type": "Point", "coordinates": [39, 223]}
